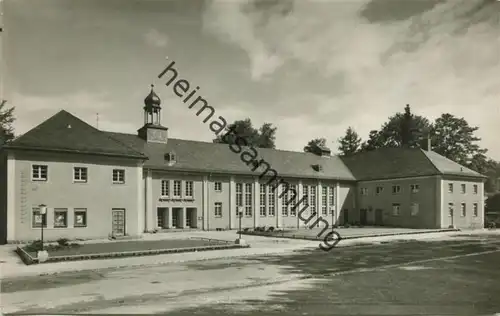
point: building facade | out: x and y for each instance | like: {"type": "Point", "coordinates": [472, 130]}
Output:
{"type": "Point", "coordinates": [97, 184]}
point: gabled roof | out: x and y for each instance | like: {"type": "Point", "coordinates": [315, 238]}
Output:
{"type": "Point", "coordinates": [64, 132]}
{"type": "Point", "coordinates": [394, 163]}
{"type": "Point", "coordinates": [218, 158]}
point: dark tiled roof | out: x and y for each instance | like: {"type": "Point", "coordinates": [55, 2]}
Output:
{"type": "Point", "coordinates": [64, 132]}
{"type": "Point", "coordinates": [393, 163]}
{"type": "Point", "coordinates": [449, 167]}
{"type": "Point", "coordinates": [211, 157]}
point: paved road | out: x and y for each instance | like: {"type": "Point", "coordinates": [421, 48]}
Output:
{"type": "Point", "coordinates": [459, 277]}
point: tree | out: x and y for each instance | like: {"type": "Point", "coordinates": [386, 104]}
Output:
{"type": "Point", "coordinates": [401, 130]}
{"type": "Point", "coordinates": [313, 145]}
{"type": "Point", "coordinates": [259, 138]}
{"type": "Point", "coordinates": [374, 141]}
{"type": "Point", "coordinates": [350, 143]}
{"type": "Point", "coordinates": [493, 203]}
{"type": "Point", "coordinates": [6, 121]}
{"type": "Point", "coordinates": [455, 139]}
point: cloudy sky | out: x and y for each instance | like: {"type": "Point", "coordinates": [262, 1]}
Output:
{"type": "Point", "coordinates": [312, 68]}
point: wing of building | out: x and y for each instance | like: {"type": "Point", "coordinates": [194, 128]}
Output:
{"type": "Point", "coordinates": [97, 183]}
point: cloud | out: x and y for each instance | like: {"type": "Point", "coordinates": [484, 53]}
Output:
{"type": "Point", "coordinates": [154, 38]}
{"type": "Point", "coordinates": [445, 59]}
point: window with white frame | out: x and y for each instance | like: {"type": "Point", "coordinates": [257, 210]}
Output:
{"type": "Point", "coordinates": [80, 174]}
{"type": "Point", "coordinates": [379, 190]}
{"type": "Point", "coordinates": [331, 198]}
{"type": "Point", "coordinates": [165, 188]}
{"type": "Point", "coordinates": [80, 217]}
{"type": "Point", "coordinates": [463, 187]}
{"type": "Point", "coordinates": [475, 188]}
{"type": "Point", "coordinates": [248, 199]}
{"type": "Point", "coordinates": [189, 189]}
{"type": "Point", "coordinates": [305, 196]}
{"type": "Point", "coordinates": [272, 201]}
{"type": "Point", "coordinates": [396, 189]}
{"type": "Point", "coordinates": [463, 208]}
{"type": "Point", "coordinates": [177, 188]}
{"type": "Point", "coordinates": [364, 191]}
{"type": "Point", "coordinates": [312, 199]}
{"type": "Point", "coordinates": [218, 209]}
{"type": "Point", "coordinates": [39, 172]}
{"type": "Point", "coordinates": [324, 200]}
{"type": "Point", "coordinates": [239, 196]}
{"type": "Point", "coordinates": [396, 209]}
{"type": "Point", "coordinates": [450, 187]}
{"type": "Point", "coordinates": [218, 186]}
{"type": "Point", "coordinates": [414, 188]}
{"type": "Point", "coordinates": [295, 197]}
{"type": "Point", "coordinates": [263, 200]}
{"type": "Point", "coordinates": [60, 218]}
{"type": "Point", "coordinates": [476, 209]}
{"type": "Point", "coordinates": [414, 209]}
{"type": "Point", "coordinates": [118, 176]}
{"type": "Point", "coordinates": [284, 199]}
{"type": "Point", "coordinates": [38, 219]}
{"type": "Point", "coordinates": [451, 209]}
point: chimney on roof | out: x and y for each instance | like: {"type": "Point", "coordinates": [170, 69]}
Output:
{"type": "Point", "coordinates": [322, 151]}
{"type": "Point", "coordinates": [429, 143]}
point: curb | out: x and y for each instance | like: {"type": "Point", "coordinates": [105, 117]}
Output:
{"type": "Point", "coordinates": [314, 238]}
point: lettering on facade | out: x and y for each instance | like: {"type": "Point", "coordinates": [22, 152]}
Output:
{"type": "Point", "coordinates": [163, 199]}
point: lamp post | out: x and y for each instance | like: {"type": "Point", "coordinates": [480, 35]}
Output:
{"type": "Point", "coordinates": [332, 211]}
{"type": "Point", "coordinates": [240, 215]}
{"type": "Point", "coordinates": [43, 211]}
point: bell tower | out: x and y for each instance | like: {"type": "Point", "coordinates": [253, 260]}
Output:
{"type": "Point", "coordinates": [153, 131]}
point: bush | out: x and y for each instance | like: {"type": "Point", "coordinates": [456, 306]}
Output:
{"type": "Point", "coordinates": [270, 229]}
{"type": "Point", "coordinates": [63, 242]}
{"type": "Point", "coordinates": [346, 225]}
{"type": "Point", "coordinates": [33, 246]}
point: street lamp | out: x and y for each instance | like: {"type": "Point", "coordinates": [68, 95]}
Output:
{"type": "Point", "coordinates": [332, 211]}
{"type": "Point", "coordinates": [240, 214]}
{"type": "Point", "coordinates": [43, 211]}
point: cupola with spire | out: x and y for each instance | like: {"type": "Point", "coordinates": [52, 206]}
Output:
{"type": "Point", "coordinates": [153, 131]}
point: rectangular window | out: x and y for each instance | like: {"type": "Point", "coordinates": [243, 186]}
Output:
{"type": "Point", "coordinates": [61, 217]}
{"type": "Point", "coordinates": [293, 209]}
{"type": "Point", "coordinates": [475, 188]}
{"type": "Point", "coordinates": [379, 190]}
{"type": "Point", "coordinates": [463, 209]}
{"type": "Point", "coordinates": [396, 209]}
{"type": "Point", "coordinates": [414, 209]}
{"type": "Point", "coordinates": [450, 209]}
{"type": "Point", "coordinates": [263, 200]}
{"type": "Point", "coordinates": [38, 219]}
{"type": "Point", "coordinates": [364, 191]}
{"type": "Point", "coordinates": [324, 200]}
{"type": "Point", "coordinates": [285, 195]}
{"type": "Point", "coordinates": [312, 199]}
{"type": "Point", "coordinates": [80, 174]}
{"type": "Point", "coordinates": [272, 201]}
{"type": "Point", "coordinates": [177, 188]}
{"type": "Point", "coordinates": [239, 196]}
{"type": "Point", "coordinates": [80, 217]}
{"type": "Point", "coordinates": [39, 172]}
{"type": "Point", "coordinates": [189, 189]}
{"type": "Point", "coordinates": [476, 209]}
{"type": "Point", "coordinates": [248, 199]}
{"type": "Point", "coordinates": [305, 196]}
{"type": "Point", "coordinates": [331, 201]}
{"type": "Point", "coordinates": [218, 209]}
{"type": "Point", "coordinates": [463, 187]}
{"type": "Point", "coordinates": [396, 189]}
{"type": "Point", "coordinates": [218, 186]}
{"type": "Point", "coordinates": [165, 188]}
{"type": "Point", "coordinates": [118, 176]}
{"type": "Point", "coordinates": [414, 188]}
{"type": "Point", "coordinates": [450, 187]}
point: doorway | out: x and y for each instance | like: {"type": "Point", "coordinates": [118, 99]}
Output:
{"type": "Point", "coordinates": [191, 217]}
{"type": "Point", "coordinates": [345, 215]}
{"type": "Point", "coordinates": [175, 217]}
{"type": "Point", "coordinates": [363, 216]}
{"type": "Point", "coordinates": [162, 217]}
{"type": "Point", "coordinates": [118, 222]}
{"type": "Point", "coordinates": [379, 217]}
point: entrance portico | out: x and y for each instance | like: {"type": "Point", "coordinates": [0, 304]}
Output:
{"type": "Point", "coordinates": [177, 217]}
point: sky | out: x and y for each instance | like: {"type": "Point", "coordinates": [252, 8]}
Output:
{"type": "Point", "coordinates": [312, 68]}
